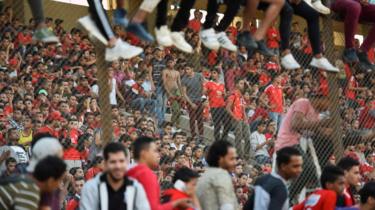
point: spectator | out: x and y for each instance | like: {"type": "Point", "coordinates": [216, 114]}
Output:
{"type": "Point", "coordinates": [146, 156]}
{"type": "Point", "coordinates": [273, 186]}
{"type": "Point", "coordinates": [215, 91]}
{"type": "Point", "coordinates": [73, 203]}
{"type": "Point", "coordinates": [185, 181]}
{"type": "Point", "coordinates": [302, 116]}
{"type": "Point", "coordinates": [259, 144]}
{"type": "Point", "coordinates": [11, 170]}
{"type": "Point", "coordinates": [275, 96]}
{"type": "Point", "coordinates": [350, 167]}
{"type": "Point", "coordinates": [221, 158]}
{"type": "Point", "coordinates": [367, 194]}
{"type": "Point", "coordinates": [172, 85]}
{"type": "Point", "coordinates": [192, 87]}
{"type": "Point", "coordinates": [98, 166]}
{"type": "Point", "coordinates": [46, 178]}
{"type": "Point", "coordinates": [236, 109]}
{"type": "Point", "coordinates": [107, 190]}
{"type": "Point", "coordinates": [333, 184]}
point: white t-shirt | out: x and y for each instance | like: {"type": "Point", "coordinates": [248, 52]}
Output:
{"type": "Point", "coordinates": [256, 139]}
{"type": "Point", "coordinates": [16, 152]}
{"type": "Point", "coordinates": [112, 94]}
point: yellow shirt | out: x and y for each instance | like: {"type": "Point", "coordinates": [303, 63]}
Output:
{"type": "Point", "coordinates": [24, 140]}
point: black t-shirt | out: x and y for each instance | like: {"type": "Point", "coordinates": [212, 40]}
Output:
{"type": "Point", "coordinates": [116, 199]}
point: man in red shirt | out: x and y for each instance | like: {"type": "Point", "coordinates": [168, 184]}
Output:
{"type": "Point", "coordinates": [54, 125]}
{"type": "Point", "coordinates": [353, 85]}
{"type": "Point", "coordinates": [216, 93]}
{"type": "Point", "coordinates": [236, 109]}
{"type": "Point", "coordinates": [273, 38]}
{"type": "Point", "coordinates": [274, 93]}
{"type": "Point", "coordinates": [333, 183]}
{"type": "Point", "coordinates": [195, 24]}
{"type": "Point", "coordinates": [352, 180]}
{"type": "Point", "coordinates": [145, 153]}
{"type": "Point", "coordinates": [367, 116]}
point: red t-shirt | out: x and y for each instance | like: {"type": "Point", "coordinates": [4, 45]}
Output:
{"type": "Point", "coordinates": [275, 96]}
{"type": "Point", "coordinates": [272, 66]}
{"type": "Point", "coordinates": [273, 38]}
{"type": "Point", "coordinates": [264, 79]}
{"type": "Point", "coordinates": [365, 119]}
{"type": "Point", "coordinates": [215, 92]}
{"type": "Point", "coordinates": [195, 25]}
{"type": "Point", "coordinates": [238, 105]}
{"type": "Point", "coordinates": [51, 131]}
{"type": "Point", "coordinates": [72, 204]}
{"type": "Point", "coordinates": [350, 94]}
{"type": "Point", "coordinates": [71, 154]}
{"type": "Point", "coordinates": [173, 195]}
{"type": "Point", "coordinates": [319, 200]}
{"type": "Point", "coordinates": [91, 173]}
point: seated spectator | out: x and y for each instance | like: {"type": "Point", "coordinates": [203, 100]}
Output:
{"type": "Point", "coordinates": [259, 144]}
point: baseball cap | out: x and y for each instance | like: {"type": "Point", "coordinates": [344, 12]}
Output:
{"type": "Point", "coordinates": [44, 147]}
{"type": "Point", "coordinates": [56, 115]}
{"type": "Point", "coordinates": [42, 91]}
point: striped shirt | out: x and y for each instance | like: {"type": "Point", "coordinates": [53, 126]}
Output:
{"type": "Point", "coordinates": [19, 193]}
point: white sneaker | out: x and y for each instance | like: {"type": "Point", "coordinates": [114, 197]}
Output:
{"type": "Point", "coordinates": [122, 50]}
{"type": "Point", "coordinates": [289, 62]}
{"type": "Point", "coordinates": [180, 42]}
{"type": "Point", "coordinates": [323, 63]}
{"type": "Point", "coordinates": [225, 42]}
{"type": "Point", "coordinates": [89, 25]}
{"type": "Point", "coordinates": [209, 39]}
{"type": "Point", "coordinates": [163, 36]}
{"type": "Point", "coordinates": [319, 6]}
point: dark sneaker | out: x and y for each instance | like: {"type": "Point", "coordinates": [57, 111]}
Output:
{"type": "Point", "coordinates": [245, 39]}
{"type": "Point", "coordinates": [350, 56]}
{"type": "Point", "coordinates": [138, 30]}
{"type": "Point", "coordinates": [45, 35]}
{"type": "Point", "coordinates": [263, 49]}
{"type": "Point", "coordinates": [364, 61]}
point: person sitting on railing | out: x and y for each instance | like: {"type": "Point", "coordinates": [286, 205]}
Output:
{"type": "Point", "coordinates": [353, 12]}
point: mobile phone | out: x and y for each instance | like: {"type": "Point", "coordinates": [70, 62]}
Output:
{"type": "Point", "coordinates": [180, 185]}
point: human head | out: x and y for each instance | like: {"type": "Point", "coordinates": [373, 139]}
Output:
{"type": "Point", "coordinates": [319, 102]}
{"type": "Point", "coordinates": [49, 173]}
{"type": "Point", "coordinates": [351, 170]}
{"type": "Point", "coordinates": [332, 178]}
{"type": "Point", "coordinates": [145, 151]}
{"type": "Point", "coordinates": [222, 154]}
{"type": "Point", "coordinates": [240, 84]}
{"type": "Point", "coordinates": [13, 135]}
{"type": "Point", "coordinates": [115, 160]}
{"type": "Point", "coordinates": [10, 164]}
{"type": "Point", "coordinates": [78, 184]}
{"type": "Point", "coordinates": [289, 162]}
{"type": "Point", "coordinates": [367, 194]}
{"type": "Point", "coordinates": [261, 127]}
{"type": "Point", "coordinates": [189, 177]}
{"type": "Point", "coordinates": [215, 74]}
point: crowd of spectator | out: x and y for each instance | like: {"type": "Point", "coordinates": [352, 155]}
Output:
{"type": "Point", "coordinates": [51, 90]}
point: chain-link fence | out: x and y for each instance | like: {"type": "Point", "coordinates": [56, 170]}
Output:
{"type": "Point", "coordinates": [185, 100]}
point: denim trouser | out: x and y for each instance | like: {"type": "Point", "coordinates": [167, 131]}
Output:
{"type": "Point", "coordinates": [276, 117]}
{"type": "Point", "coordinates": [141, 103]}
{"type": "Point", "coordinates": [161, 100]}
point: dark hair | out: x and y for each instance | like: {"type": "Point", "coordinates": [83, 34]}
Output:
{"type": "Point", "coordinates": [330, 174]}
{"type": "Point", "coordinates": [284, 155]}
{"type": "Point", "coordinates": [347, 163]}
{"type": "Point", "coordinates": [113, 147]}
{"type": "Point", "coordinates": [80, 178]}
{"type": "Point", "coordinates": [185, 174]}
{"type": "Point", "coordinates": [10, 160]}
{"type": "Point", "coordinates": [367, 191]}
{"type": "Point", "coordinates": [73, 170]}
{"type": "Point", "coordinates": [217, 150]}
{"type": "Point", "coordinates": [49, 167]}
{"type": "Point", "coordinates": [140, 144]}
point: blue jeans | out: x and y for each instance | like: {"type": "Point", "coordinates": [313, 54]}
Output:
{"type": "Point", "coordinates": [141, 103]}
{"type": "Point", "coordinates": [161, 102]}
{"type": "Point", "coordinates": [276, 117]}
